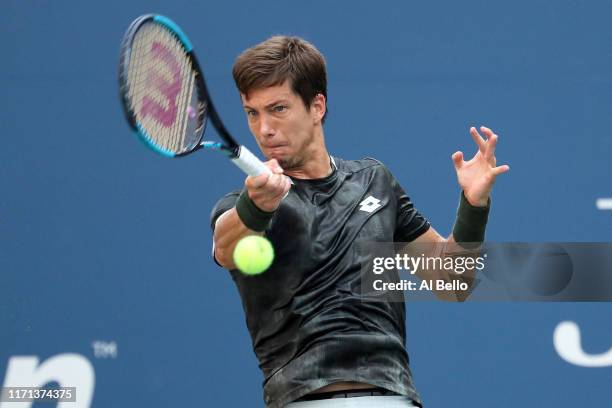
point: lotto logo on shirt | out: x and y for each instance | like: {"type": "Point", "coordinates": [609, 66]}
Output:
{"type": "Point", "coordinates": [370, 204]}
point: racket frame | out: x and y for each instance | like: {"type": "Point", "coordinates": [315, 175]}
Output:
{"type": "Point", "coordinates": [231, 147]}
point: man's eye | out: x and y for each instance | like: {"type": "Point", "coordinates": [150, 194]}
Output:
{"type": "Point", "coordinates": [280, 108]}
{"type": "Point", "coordinates": [251, 113]}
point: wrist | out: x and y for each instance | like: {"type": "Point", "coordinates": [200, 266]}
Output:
{"type": "Point", "coordinates": [253, 217]}
{"type": "Point", "coordinates": [471, 221]}
{"type": "Point", "coordinates": [267, 207]}
{"type": "Point", "coordinates": [476, 202]}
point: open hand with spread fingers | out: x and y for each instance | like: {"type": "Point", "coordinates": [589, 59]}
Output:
{"type": "Point", "coordinates": [477, 175]}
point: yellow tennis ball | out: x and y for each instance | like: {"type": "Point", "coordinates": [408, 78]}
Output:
{"type": "Point", "coordinates": [253, 255]}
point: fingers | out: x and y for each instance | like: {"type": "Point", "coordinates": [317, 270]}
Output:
{"type": "Point", "coordinates": [286, 187]}
{"type": "Point", "coordinates": [487, 132]}
{"type": "Point", "coordinates": [500, 170]}
{"type": "Point", "coordinates": [267, 190]}
{"type": "Point", "coordinates": [256, 182]}
{"type": "Point", "coordinates": [457, 158]}
{"type": "Point", "coordinates": [489, 152]}
{"type": "Point", "coordinates": [274, 166]}
{"type": "Point", "coordinates": [265, 182]}
{"type": "Point", "coordinates": [275, 190]}
{"type": "Point", "coordinates": [487, 148]}
{"type": "Point", "coordinates": [480, 142]}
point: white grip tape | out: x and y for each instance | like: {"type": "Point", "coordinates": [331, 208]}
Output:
{"type": "Point", "coordinates": [249, 163]}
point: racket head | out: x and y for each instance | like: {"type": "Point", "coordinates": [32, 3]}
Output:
{"type": "Point", "coordinates": [162, 88]}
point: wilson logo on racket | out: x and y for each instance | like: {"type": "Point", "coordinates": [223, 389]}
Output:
{"type": "Point", "coordinates": [164, 95]}
{"type": "Point", "coordinates": [168, 88]}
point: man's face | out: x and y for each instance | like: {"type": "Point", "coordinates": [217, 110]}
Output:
{"type": "Point", "coordinates": [282, 125]}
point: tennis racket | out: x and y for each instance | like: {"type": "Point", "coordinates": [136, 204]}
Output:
{"type": "Point", "coordinates": [164, 95]}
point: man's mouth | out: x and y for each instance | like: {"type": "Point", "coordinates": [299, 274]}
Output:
{"type": "Point", "coordinates": [275, 146]}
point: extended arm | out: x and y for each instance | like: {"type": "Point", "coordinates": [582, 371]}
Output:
{"type": "Point", "coordinates": [476, 178]}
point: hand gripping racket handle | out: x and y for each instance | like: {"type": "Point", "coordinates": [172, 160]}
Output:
{"type": "Point", "coordinates": [249, 163]}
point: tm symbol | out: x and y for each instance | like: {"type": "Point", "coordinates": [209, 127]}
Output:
{"type": "Point", "coordinates": [105, 349]}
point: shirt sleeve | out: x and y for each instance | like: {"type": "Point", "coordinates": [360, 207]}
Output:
{"type": "Point", "coordinates": [227, 202]}
{"type": "Point", "coordinates": [410, 224]}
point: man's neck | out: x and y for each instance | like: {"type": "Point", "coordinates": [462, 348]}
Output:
{"type": "Point", "coordinates": [318, 164]}
{"type": "Point", "coordinates": [317, 167]}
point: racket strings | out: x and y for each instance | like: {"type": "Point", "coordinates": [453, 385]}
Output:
{"type": "Point", "coordinates": [162, 89]}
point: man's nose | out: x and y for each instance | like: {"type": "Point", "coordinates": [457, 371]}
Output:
{"type": "Point", "coordinates": [265, 126]}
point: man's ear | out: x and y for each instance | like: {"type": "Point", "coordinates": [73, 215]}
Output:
{"type": "Point", "coordinates": [318, 107]}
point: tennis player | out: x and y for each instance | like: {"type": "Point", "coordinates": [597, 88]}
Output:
{"type": "Point", "coordinates": [317, 343]}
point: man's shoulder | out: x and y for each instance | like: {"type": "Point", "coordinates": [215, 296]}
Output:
{"type": "Point", "coordinates": [229, 198]}
{"type": "Point", "coordinates": [223, 204]}
{"type": "Point", "coordinates": [231, 194]}
{"type": "Point", "coordinates": [364, 164]}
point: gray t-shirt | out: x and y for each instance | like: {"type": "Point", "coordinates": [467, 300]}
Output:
{"type": "Point", "coordinates": [307, 322]}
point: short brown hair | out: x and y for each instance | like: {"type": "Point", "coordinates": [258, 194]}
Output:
{"type": "Point", "coordinates": [282, 58]}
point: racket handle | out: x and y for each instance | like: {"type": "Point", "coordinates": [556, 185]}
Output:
{"type": "Point", "coordinates": [249, 163]}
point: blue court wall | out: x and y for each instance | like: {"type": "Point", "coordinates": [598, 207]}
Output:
{"type": "Point", "coordinates": [105, 247]}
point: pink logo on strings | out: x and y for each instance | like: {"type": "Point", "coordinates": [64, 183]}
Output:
{"type": "Point", "coordinates": [170, 89]}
